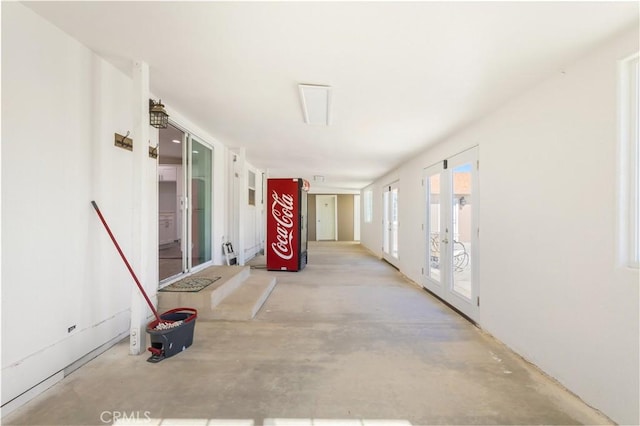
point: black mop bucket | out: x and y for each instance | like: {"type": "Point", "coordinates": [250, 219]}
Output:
{"type": "Point", "coordinates": [178, 335]}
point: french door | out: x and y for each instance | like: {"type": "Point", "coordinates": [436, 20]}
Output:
{"type": "Point", "coordinates": [451, 225]}
{"type": "Point", "coordinates": [185, 203]}
{"type": "Point", "coordinates": [390, 222]}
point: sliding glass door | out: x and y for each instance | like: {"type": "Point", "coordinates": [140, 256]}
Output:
{"type": "Point", "coordinates": [184, 203]}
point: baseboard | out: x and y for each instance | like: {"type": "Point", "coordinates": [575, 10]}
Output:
{"type": "Point", "coordinates": [94, 353]}
{"type": "Point", "coordinates": [47, 383]}
{"type": "Point", "coordinates": [27, 396]}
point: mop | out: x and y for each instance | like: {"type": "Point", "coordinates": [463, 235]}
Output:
{"type": "Point", "coordinates": [162, 347]}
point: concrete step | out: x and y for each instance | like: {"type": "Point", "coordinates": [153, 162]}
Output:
{"type": "Point", "coordinates": [232, 284]}
{"type": "Point", "coordinates": [245, 302]}
{"type": "Point", "coordinates": [231, 277]}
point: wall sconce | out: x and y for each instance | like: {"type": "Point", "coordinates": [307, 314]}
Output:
{"type": "Point", "coordinates": [158, 117]}
{"type": "Point", "coordinates": [462, 202]}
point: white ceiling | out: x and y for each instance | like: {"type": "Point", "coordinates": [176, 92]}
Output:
{"type": "Point", "coordinates": [404, 75]}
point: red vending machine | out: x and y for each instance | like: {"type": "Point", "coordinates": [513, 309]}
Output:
{"type": "Point", "coordinates": [287, 224]}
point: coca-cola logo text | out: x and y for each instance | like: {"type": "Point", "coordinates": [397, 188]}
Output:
{"type": "Point", "coordinates": [282, 212]}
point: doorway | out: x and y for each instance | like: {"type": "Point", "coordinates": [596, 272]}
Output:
{"type": "Point", "coordinates": [184, 203]}
{"type": "Point", "coordinates": [326, 217]}
{"type": "Point", "coordinates": [451, 191]}
{"type": "Point", "coordinates": [390, 222]}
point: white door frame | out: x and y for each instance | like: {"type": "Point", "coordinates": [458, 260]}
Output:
{"type": "Point", "coordinates": [440, 270]}
{"type": "Point", "coordinates": [335, 216]}
{"type": "Point", "coordinates": [191, 268]}
{"type": "Point", "coordinates": [391, 228]}
{"type": "Point", "coordinates": [356, 217]}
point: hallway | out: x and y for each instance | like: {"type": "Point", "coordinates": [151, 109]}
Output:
{"type": "Point", "coordinates": [346, 338]}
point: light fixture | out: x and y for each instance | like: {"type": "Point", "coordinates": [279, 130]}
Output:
{"type": "Point", "coordinates": [176, 141]}
{"type": "Point", "coordinates": [462, 202]}
{"type": "Point", "coordinates": [316, 103]}
{"type": "Point", "coordinates": [158, 117]}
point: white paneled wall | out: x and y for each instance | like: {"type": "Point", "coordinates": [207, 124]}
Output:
{"type": "Point", "coordinates": [65, 291]}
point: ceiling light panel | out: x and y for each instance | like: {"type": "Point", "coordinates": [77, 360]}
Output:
{"type": "Point", "coordinates": [316, 103]}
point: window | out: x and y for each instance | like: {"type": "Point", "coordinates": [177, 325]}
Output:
{"type": "Point", "coordinates": [368, 206]}
{"type": "Point", "coordinates": [629, 162]}
{"type": "Point", "coordinates": [251, 184]}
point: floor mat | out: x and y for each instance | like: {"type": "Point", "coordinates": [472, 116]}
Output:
{"type": "Point", "coordinates": [190, 284]}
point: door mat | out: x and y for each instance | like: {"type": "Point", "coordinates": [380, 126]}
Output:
{"type": "Point", "coordinates": [190, 284]}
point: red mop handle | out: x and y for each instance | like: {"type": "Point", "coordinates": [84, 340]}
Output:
{"type": "Point", "coordinates": [104, 222]}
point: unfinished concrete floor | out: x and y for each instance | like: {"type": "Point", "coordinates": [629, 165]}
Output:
{"type": "Point", "coordinates": [346, 339]}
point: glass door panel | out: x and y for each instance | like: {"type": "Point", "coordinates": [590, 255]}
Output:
{"type": "Point", "coordinates": [171, 254]}
{"type": "Point", "coordinates": [433, 225]}
{"type": "Point", "coordinates": [200, 196]}
{"type": "Point", "coordinates": [390, 222]}
{"type": "Point", "coordinates": [394, 222]}
{"type": "Point", "coordinates": [386, 222]}
{"type": "Point", "coordinates": [461, 209]}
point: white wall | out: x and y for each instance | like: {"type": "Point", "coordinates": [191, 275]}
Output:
{"type": "Point", "coordinates": [246, 223]}
{"type": "Point", "coordinates": [550, 285]}
{"type": "Point", "coordinates": [61, 106]}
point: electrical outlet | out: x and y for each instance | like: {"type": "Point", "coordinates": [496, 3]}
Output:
{"type": "Point", "coordinates": [70, 329]}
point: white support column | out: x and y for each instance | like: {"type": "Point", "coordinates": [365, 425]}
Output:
{"type": "Point", "coordinates": [243, 199]}
{"type": "Point", "coordinates": [141, 161]}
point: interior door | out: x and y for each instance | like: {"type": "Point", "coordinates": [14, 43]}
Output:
{"type": "Point", "coordinates": [451, 232]}
{"type": "Point", "coordinates": [326, 217]}
{"type": "Point", "coordinates": [390, 222]}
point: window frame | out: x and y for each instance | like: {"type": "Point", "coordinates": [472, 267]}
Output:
{"type": "Point", "coordinates": [367, 200]}
{"type": "Point", "coordinates": [629, 162]}
{"type": "Point", "coordinates": [251, 187]}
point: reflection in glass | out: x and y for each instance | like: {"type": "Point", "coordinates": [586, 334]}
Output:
{"type": "Point", "coordinates": [394, 222]}
{"type": "Point", "coordinates": [385, 233]}
{"type": "Point", "coordinates": [171, 259]}
{"type": "Point", "coordinates": [461, 209]}
{"type": "Point", "coordinates": [434, 226]}
{"type": "Point", "coordinates": [201, 159]}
